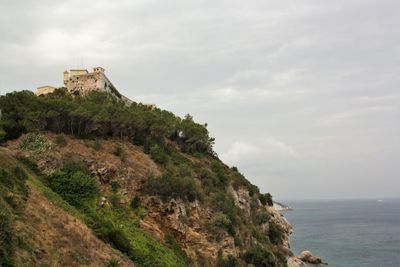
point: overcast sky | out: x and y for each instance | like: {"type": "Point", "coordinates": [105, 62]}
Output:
{"type": "Point", "coordinates": [302, 96]}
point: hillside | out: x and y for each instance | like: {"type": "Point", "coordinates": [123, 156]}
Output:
{"type": "Point", "coordinates": [91, 181]}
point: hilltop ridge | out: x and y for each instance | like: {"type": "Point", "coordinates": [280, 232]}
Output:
{"type": "Point", "coordinates": [133, 178]}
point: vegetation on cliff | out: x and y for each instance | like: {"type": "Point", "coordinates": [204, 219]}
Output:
{"type": "Point", "coordinates": [231, 216]}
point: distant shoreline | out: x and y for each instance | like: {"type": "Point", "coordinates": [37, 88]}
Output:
{"type": "Point", "coordinates": [281, 207]}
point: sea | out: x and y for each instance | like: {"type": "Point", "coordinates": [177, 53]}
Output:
{"type": "Point", "coordinates": [347, 233]}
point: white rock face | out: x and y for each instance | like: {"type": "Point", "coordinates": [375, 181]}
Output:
{"type": "Point", "coordinates": [280, 207]}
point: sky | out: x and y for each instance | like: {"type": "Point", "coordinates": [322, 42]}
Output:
{"type": "Point", "coordinates": [302, 96]}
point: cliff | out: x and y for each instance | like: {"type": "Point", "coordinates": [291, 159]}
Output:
{"type": "Point", "coordinates": [91, 181]}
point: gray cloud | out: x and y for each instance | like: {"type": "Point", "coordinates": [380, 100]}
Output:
{"type": "Point", "coordinates": [302, 96]}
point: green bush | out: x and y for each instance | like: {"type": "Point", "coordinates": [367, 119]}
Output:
{"type": "Point", "coordinates": [223, 221]}
{"type": "Point", "coordinates": [259, 235]}
{"type": "Point", "coordinates": [72, 164]}
{"type": "Point", "coordinates": [229, 261]}
{"type": "Point", "coordinates": [112, 263]}
{"type": "Point", "coordinates": [121, 242]}
{"type": "Point", "coordinates": [6, 238]}
{"type": "Point", "coordinates": [36, 143]}
{"type": "Point", "coordinates": [2, 134]}
{"type": "Point", "coordinates": [266, 199]}
{"type": "Point", "coordinates": [13, 195]}
{"type": "Point", "coordinates": [260, 257]}
{"type": "Point", "coordinates": [260, 217]}
{"type": "Point", "coordinates": [171, 186]}
{"type": "Point", "coordinates": [74, 187]}
{"type": "Point", "coordinates": [115, 186]}
{"type": "Point", "coordinates": [135, 203]}
{"type": "Point", "coordinates": [157, 153]}
{"type": "Point", "coordinates": [275, 233]}
{"type": "Point", "coordinates": [61, 140]}
{"type": "Point", "coordinates": [170, 241]}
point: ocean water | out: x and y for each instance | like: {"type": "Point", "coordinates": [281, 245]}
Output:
{"type": "Point", "coordinates": [348, 233]}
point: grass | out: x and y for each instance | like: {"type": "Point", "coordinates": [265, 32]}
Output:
{"type": "Point", "coordinates": [146, 251]}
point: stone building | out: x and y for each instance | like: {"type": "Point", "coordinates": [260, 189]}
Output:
{"type": "Point", "coordinates": [44, 90]}
{"type": "Point", "coordinates": [80, 81]}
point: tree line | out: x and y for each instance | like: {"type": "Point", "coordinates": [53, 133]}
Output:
{"type": "Point", "coordinates": [99, 114]}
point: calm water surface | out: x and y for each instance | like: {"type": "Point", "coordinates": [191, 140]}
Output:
{"type": "Point", "coordinates": [356, 233]}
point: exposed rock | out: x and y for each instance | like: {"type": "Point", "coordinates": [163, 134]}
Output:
{"type": "Point", "coordinates": [307, 256]}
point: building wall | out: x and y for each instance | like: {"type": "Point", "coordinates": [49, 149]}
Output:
{"type": "Point", "coordinates": [77, 72]}
{"type": "Point", "coordinates": [83, 84]}
{"type": "Point", "coordinates": [44, 90]}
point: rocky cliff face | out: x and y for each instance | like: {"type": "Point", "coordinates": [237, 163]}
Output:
{"type": "Point", "coordinates": [190, 223]}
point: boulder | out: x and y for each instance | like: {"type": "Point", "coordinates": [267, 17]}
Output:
{"type": "Point", "coordinates": [308, 257]}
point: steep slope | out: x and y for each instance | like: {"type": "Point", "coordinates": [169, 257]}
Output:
{"type": "Point", "coordinates": [143, 181]}
{"type": "Point", "coordinates": [43, 232]}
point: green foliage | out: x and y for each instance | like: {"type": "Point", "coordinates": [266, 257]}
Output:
{"type": "Point", "coordinates": [71, 164]}
{"type": "Point", "coordinates": [269, 199]}
{"type": "Point", "coordinates": [36, 143]}
{"type": "Point", "coordinates": [194, 137]}
{"type": "Point", "coordinates": [2, 134]}
{"type": "Point", "coordinates": [260, 257]}
{"type": "Point", "coordinates": [223, 202]}
{"type": "Point", "coordinates": [260, 217]}
{"type": "Point", "coordinates": [259, 235]}
{"type": "Point", "coordinates": [76, 187]}
{"type": "Point", "coordinates": [221, 220]}
{"type": "Point", "coordinates": [99, 115]}
{"type": "Point", "coordinates": [275, 233]}
{"type": "Point", "coordinates": [266, 199]}
{"type": "Point", "coordinates": [13, 195]}
{"type": "Point", "coordinates": [6, 238]}
{"type": "Point", "coordinates": [61, 140]}
{"type": "Point", "coordinates": [157, 153]}
{"type": "Point", "coordinates": [169, 186]}
{"type": "Point", "coordinates": [229, 261]}
{"type": "Point", "coordinates": [170, 241]}
{"type": "Point", "coordinates": [136, 203]}
{"type": "Point", "coordinates": [115, 186]}
{"type": "Point", "coordinates": [115, 200]}
{"type": "Point", "coordinates": [113, 263]}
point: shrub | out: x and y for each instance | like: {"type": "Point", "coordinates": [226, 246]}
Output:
{"type": "Point", "coordinates": [172, 186]}
{"type": "Point", "coordinates": [266, 199]}
{"type": "Point", "coordinates": [229, 261]}
{"type": "Point", "coordinates": [115, 200]}
{"type": "Point", "coordinates": [135, 203]}
{"type": "Point", "coordinates": [36, 143]}
{"type": "Point", "coordinates": [222, 221]}
{"type": "Point", "coordinates": [260, 236]}
{"type": "Point", "coordinates": [112, 263]}
{"type": "Point", "coordinates": [6, 240]}
{"type": "Point", "coordinates": [260, 257]}
{"type": "Point", "coordinates": [61, 140]}
{"type": "Point", "coordinates": [223, 202]}
{"type": "Point", "coordinates": [2, 134]}
{"type": "Point", "coordinates": [74, 187]}
{"type": "Point", "coordinates": [72, 164]}
{"type": "Point", "coordinates": [157, 153]}
{"type": "Point", "coordinates": [115, 186]}
{"type": "Point", "coordinates": [275, 233]}
{"type": "Point", "coordinates": [170, 241]}
{"type": "Point", "coordinates": [121, 242]}
{"type": "Point", "coordinates": [260, 217]}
